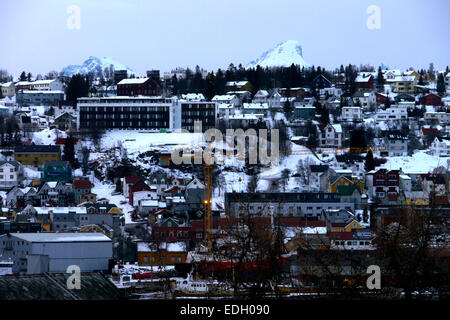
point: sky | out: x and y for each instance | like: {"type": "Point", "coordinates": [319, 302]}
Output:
{"type": "Point", "coordinates": [155, 34]}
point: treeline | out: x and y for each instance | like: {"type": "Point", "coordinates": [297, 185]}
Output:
{"type": "Point", "coordinates": [260, 78]}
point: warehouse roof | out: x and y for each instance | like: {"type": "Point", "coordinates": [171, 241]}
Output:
{"type": "Point", "coordinates": [62, 237]}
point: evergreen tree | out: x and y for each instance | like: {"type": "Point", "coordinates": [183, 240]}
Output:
{"type": "Point", "coordinates": [23, 76]}
{"type": "Point", "coordinates": [441, 85]}
{"type": "Point", "coordinates": [370, 162]}
{"type": "Point", "coordinates": [78, 87]}
{"type": "Point", "coordinates": [380, 78]}
{"type": "Point", "coordinates": [69, 151]}
{"type": "Point", "coordinates": [29, 75]}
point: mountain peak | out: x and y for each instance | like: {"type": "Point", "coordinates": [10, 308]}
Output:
{"type": "Point", "coordinates": [283, 55]}
{"type": "Point", "coordinates": [96, 66]}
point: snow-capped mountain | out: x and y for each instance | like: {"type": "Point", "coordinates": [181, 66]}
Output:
{"type": "Point", "coordinates": [96, 66]}
{"type": "Point", "coordinates": [283, 55]}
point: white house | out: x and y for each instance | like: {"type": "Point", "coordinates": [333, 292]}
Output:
{"type": "Point", "coordinates": [440, 148]}
{"type": "Point", "coordinates": [194, 97]}
{"type": "Point", "coordinates": [351, 114]}
{"type": "Point", "coordinates": [47, 85]}
{"type": "Point", "coordinates": [8, 89]}
{"type": "Point", "coordinates": [227, 98]}
{"type": "Point", "coordinates": [330, 135]}
{"type": "Point", "coordinates": [261, 96]}
{"type": "Point", "coordinates": [395, 112]}
{"type": "Point", "coordinates": [11, 174]}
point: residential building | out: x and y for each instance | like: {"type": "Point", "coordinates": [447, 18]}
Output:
{"type": "Point", "coordinates": [304, 205]}
{"type": "Point", "coordinates": [47, 85]}
{"type": "Point", "coordinates": [11, 174]}
{"type": "Point", "coordinates": [330, 135]}
{"type": "Point", "coordinates": [137, 87]}
{"type": "Point", "coordinates": [36, 155]}
{"type": "Point", "coordinates": [365, 81]}
{"type": "Point", "coordinates": [440, 147]}
{"type": "Point", "coordinates": [41, 97]}
{"type": "Point", "coordinates": [238, 86]}
{"type": "Point", "coordinates": [81, 187]}
{"type": "Point", "coordinates": [8, 89]}
{"type": "Point", "coordinates": [59, 171]}
{"type": "Point", "coordinates": [351, 114]}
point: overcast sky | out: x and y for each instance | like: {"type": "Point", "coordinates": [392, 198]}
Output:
{"type": "Point", "coordinates": [163, 34]}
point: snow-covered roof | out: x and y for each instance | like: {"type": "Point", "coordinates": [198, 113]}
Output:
{"type": "Point", "coordinates": [225, 97]}
{"type": "Point", "coordinates": [133, 81]}
{"type": "Point", "coordinates": [66, 210]}
{"type": "Point", "coordinates": [38, 82]}
{"type": "Point", "coordinates": [62, 237]}
{"type": "Point", "coordinates": [256, 106]}
{"type": "Point", "coordinates": [337, 128]}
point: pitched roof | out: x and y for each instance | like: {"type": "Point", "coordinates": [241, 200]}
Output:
{"type": "Point", "coordinates": [37, 148]}
{"type": "Point", "coordinates": [132, 179]}
{"type": "Point", "coordinates": [348, 190]}
{"type": "Point", "coordinates": [82, 184]}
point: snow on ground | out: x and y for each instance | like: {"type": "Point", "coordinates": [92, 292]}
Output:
{"type": "Point", "coordinates": [48, 136]}
{"type": "Point", "coordinates": [141, 141]}
{"type": "Point", "coordinates": [420, 162]}
{"type": "Point", "coordinates": [105, 191]}
{"type": "Point", "coordinates": [31, 173]}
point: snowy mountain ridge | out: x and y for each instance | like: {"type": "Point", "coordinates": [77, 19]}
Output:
{"type": "Point", "coordinates": [283, 55]}
{"type": "Point", "coordinates": [96, 66]}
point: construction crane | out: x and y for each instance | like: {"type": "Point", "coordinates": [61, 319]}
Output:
{"type": "Point", "coordinates": [207, 201]}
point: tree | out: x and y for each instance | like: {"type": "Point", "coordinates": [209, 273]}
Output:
{"type": "Point", "coordinates": [288, 109]}
{"type": "Point", "coordinates": [69, 150]}
{"type": "Point", "coordinates": [85, 160]}
{"type": "Point", "coordinates": [23, 76]}
{"type": "Point", "coordinates": [369, 164]}
{"type": "Point", "coordinates": [380, 78]}
{"type": "Point", "coordinates": [441, 85]}
{"type": "Point", "coordinates": [285, 178]}
{"type": "Point", "coordinates": [29, 75]}
{"type": "Point", "coordinates": [78, 87]}
{"type": "Point", "coordinates": [4, 76]}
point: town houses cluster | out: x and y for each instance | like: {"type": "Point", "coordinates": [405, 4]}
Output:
{"type": "Point", "coordinates": [87, 179]}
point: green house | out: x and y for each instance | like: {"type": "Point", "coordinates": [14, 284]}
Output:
{"type": "Point", "coordinates": [59, 171]}
{"type": "Point", "coordinates": [305, 112]}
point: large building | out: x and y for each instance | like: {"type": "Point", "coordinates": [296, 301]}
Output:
{"type": "Point", "coordinates": [136, 87]}
{"type": "Point", "coordinates": [153, 113]}
{"type": "Point", "coordinates": [37, 155]}
{"type": "Point", "coordinates": [303, 205]}
{"type": "Point", "coordinates": [203, 111]}
{"type": "Point", "coordinates": [150, 113]}
{"type": "Point", "coordinates": [35, 253]}
{"type": "Point", "coordinates": [40, 97]}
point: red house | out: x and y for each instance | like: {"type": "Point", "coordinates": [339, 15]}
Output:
{"type": "Point", "coordinates": [386, 184]}
{"type": "Point", "coordinates": [364, 82]}
{"type": "Point", "coordinates": [431, 99]}
{"type": "Point", "coordinates": [136, 87]}
{"type": "Point", "coordinates": [140, 185]}
{"type": "Point", "coordinates": [381, 98]}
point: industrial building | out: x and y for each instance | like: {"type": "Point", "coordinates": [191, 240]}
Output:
{"type": "Point", "coordinates": [35, 253]}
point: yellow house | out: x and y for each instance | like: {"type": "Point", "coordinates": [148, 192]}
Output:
{"type": "Point", "coordinates": [37, 155]}
{"type": "Point", "coordinates": [346, 226]}
{"type": "Point", "coordinates": [405, 84]}
{"type": "Point", "coordinates": [344, 181]}
{"type": "Point", "coordinates": [168, 253]}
